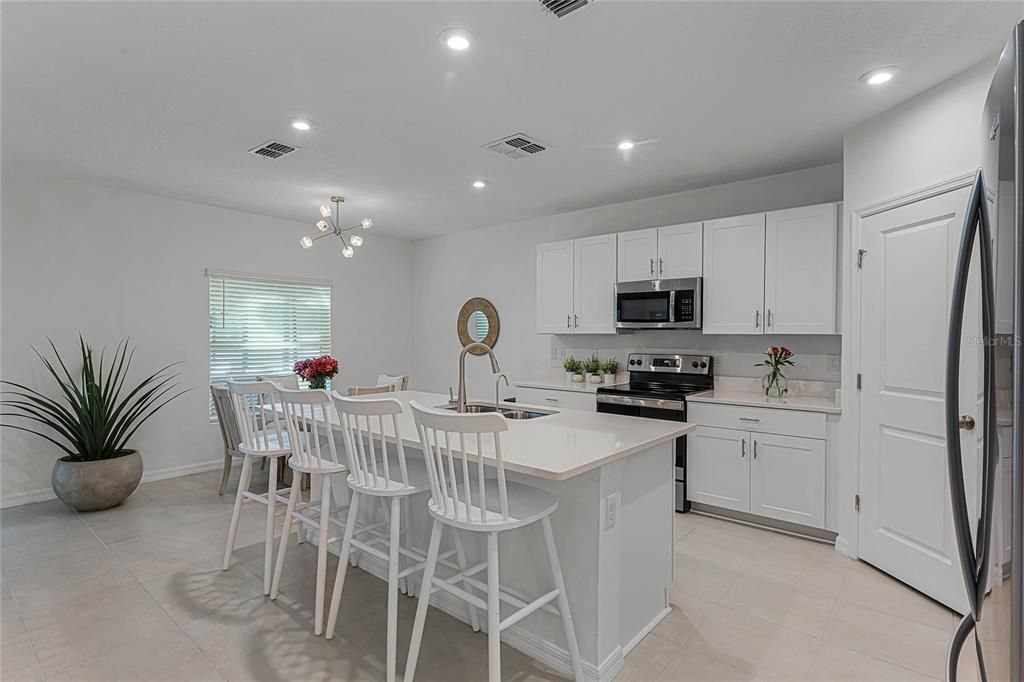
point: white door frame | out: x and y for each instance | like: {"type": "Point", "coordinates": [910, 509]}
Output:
{"type": "Point", "coordinates": [847, 525]}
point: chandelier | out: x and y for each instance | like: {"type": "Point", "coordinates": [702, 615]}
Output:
{"type": "Point", "coordinates": [328, 225]}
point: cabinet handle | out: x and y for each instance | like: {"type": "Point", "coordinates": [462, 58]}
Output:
{"type": "Point", "coordinates": [755, 449]}
{"type": "Point", "coordinates": [749, 419]}
{"type": "Point", "coordinates": [575, 321]}
{"type": "Point", "coordinates": [769, 318]}
{"type": "Point", "coordinates": [568, 321]}
{"type": "Point", "coordinates": [743, 448]}
{"type": "Point", "coordinates": [661, 265]}
{"type": "Point", "coordinates": [757, 319]}
{"type": "Point", "coordinates": [652, 267]}
{"type": "Point", "coordinates": [551, 400]}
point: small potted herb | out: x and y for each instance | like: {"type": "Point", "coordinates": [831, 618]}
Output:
{"type": "Point", "coordinates": [592, 369]}
{"type": "Point", "coordinates": [610, 367]}
{"type": "Point", "coordinates": [571, 367]}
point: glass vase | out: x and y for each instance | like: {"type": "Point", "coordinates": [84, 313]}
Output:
{"type": "Point", "coordinates": [775, 386]}
{"type": "Point", "coordinates": [319, 382]}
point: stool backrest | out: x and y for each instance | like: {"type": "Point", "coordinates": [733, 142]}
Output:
{"type": "Point", "coordinates": [368, 390]}
{"type": "Point", "coordinates": [363, 421]}
{"type": "Point", "coordinates": [308, 416]}
{"type": "Point", "coordinates": [226, 417]}
{"type": "Point", "coordinates": [445, 437]}
{"type": "Point", "coordinates": [255, 404]}
{"type": "Point", "coordinates": [289, 381]}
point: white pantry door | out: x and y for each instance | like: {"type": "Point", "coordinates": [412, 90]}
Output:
{"type": "Point", "coordinates": [905, 521]}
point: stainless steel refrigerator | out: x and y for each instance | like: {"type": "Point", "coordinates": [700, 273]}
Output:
{"type": "Point", "coordinates": [989, 640]}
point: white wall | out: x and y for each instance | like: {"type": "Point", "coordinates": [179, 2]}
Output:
{"type": "Point", "coordinates": [927, 140]}
{"type": "Point", "coordinates": [111, 263]}
{"type": "Point", "coordinates": [498, 263]}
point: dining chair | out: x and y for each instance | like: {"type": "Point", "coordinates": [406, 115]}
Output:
{"type": "Point", "coordinates": [229, 432]}
{"type": "Point", "coordinates": [308, 417]}
{"type": "Point", "coordinates": [260, 439]}
{"type": "Point", "coordinates": [400, 381]}
{"type": "Point", "coordinates": [379, 472]}
{"type": "Point", "coordinates": [370, 390]}
{"type": "Point", "coordinates": [481, 504]}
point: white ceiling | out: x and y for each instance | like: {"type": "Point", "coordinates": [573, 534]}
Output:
{"type": "Point", "coordinates": [167, 97]}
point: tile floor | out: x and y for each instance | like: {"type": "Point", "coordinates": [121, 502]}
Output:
{"type": "Point", "coordinates": [136, 593]}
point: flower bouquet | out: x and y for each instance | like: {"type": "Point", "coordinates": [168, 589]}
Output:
{"type": "Point", "coordinates": [775, 383]}
{"type": "Point", "coordinates": [317, 370]}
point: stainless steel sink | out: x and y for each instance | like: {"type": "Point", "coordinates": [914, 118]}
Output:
{"type": "Point", "coordinates": [509, 412]}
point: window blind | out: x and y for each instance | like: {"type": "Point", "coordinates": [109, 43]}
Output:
{"type": "Point", "coordinates": [261, 327]}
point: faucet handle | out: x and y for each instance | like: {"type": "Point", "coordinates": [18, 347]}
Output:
{"type": "Point", "coordinates": [451, 396]}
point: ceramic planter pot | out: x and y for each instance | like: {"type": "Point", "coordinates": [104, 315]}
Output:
{"type": "Point", "coordinates": [92, 486]}
{"type": "Point", "coordinates": [609, 378]}
{"type": "Point", "coordinates": [577, 378]}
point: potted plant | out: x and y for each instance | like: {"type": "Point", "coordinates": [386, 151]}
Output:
{"type": "Point", "coordinates": [774, 382]}
{"type": "Point", "coordinates": [571, 366]}
{"type": "Point", "coordinates": [610, 367]}
{"type": "Point", "coordinates": [317, 370]}
{"type": "Point", "coordinates": [592, 368]}
{"type": "Point", "coordinates": [92, 421]}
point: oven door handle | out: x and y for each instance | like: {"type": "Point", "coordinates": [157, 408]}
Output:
{"type": "Point", "coordinates": [657, 403]}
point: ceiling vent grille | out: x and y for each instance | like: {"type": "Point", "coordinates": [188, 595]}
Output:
{"type": "Point", "coordinates": [562, 7]}
{"type": "Point", "coordinates": [518, 146]}
{"type": "Point", "coordinates": [272, 149]}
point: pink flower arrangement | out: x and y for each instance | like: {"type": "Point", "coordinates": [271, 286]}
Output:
{"type": "Point", "coordinates": [317, 370]}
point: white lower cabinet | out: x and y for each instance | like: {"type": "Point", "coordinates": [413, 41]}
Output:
{"type": "Point", "coordinates": [772, 475]}
{"type": "Point", "coordinates": [787, 478]}
{"type": "Point", "coordinates": [717, 469]}
{"type": "Point", "coordinates": [556, 399]}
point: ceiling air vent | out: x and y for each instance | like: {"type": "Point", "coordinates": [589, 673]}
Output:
{"type": "Point", "coordinates": [273, 149]}
{"type": "Point", "coordinates": [518, 146]}
{"type": "Point", "coordinates": [562, 7]}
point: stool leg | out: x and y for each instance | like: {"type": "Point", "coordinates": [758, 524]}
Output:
{"type": "Point", "coordinates": [268, 547]}
{"type": "Point", "coordinates": [227, 472]}
{"type": "Point", "coordinates": [403, 583]}
{"type": "Point", "coordinates": [393, 556]}
{"type": "Point", "coordinates": [563, 600]}
{"type": "Point", "coordinates": [293, 497]}
{"type": "Point", "coordinates": [321, 554]}
{"type": "Point", "coordinates": [460, 555]}
{"type": "Point", "coordinates": [339, 577]}
{"type": "Point", "coordinates": [424, 596]}
{"type": "Point", "coordinates": [243, 486]}
{"type": "Point", "coordinates": [493, 611]}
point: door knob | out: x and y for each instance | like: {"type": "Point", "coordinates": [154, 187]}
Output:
{"type": "Point", "coordinates": [966, 422]}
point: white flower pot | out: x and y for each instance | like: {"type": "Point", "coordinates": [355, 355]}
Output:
{"type": "Point", "coordinates": [577, 378]}
{"type": "Point", "coordinates": [568, 376]}
{"type": "Point", "coordinates": [609, 378]}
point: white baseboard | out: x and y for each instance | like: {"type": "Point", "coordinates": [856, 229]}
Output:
{"type": "Point", "coordinates": [43, 494]}
{"type": "Point", "coordinates": [645, 630]}
{"type": "Point", "coordinates": [516, 636]}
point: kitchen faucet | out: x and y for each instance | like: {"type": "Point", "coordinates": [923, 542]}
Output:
{"type": "Point", "coordinates": [497, 385]}
{"type": "Point", "coordinates": [460, 405]}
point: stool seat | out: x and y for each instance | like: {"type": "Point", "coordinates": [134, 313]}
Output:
{"type": "Point", "coordinates": [269, 444]}
{"type": "Point", "coordinates": [312, 464]}
{"type": "Point", "coordinates": [526, 505]}
{"type": "Point", "coordinates": [387, 487]}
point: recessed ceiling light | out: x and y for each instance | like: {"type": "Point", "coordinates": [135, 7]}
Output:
{"type": "Point", "coordinates": [626, 145]}
{"type": "Point", "coordinates": [300, 124]}
{"type": "Point", "coordinates": [457, 39]}
{"type": "Point", "coordinates": [879, 76]}
{"type": "Point", "coordinates": [479, 184]}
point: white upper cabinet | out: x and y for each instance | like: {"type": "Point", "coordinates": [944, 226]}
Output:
{"type": "Point", "coordinates": [594, 285]}
{"type": "Point", "coordinates": [734, 275]}
{"type": "Point", "coordinates": [800, 270]}
{"type": "Point", "coordinates": [669, 252]}
{"type": "Point", "coordinates": [638, 255]}
{"type": "Point", "coordinates": [554, 288]}
{"type": "Point", "coordinates": [679, 251]}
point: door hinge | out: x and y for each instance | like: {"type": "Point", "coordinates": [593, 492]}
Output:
{"type": "Point", "coordinates": [860, 258]}
{"type": "Point", "coordinates": [860, 380]}
{"type": "Point", "coordinates": [856, 503]}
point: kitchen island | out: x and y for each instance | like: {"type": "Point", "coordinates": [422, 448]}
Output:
{"type": "Point", "coordinates": [613, 477]}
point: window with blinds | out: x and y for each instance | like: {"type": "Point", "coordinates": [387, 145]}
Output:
{"type": "Point", "coordinates": [261, 327]}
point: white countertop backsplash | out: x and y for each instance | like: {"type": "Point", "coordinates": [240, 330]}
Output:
{"type": "Point", "coordinates": [556, 381]}
{"type": "Point", "coordinates": [808, 396]}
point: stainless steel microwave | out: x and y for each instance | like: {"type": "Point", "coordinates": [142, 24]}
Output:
{"type": "Point", "coordinates": [658, 304]}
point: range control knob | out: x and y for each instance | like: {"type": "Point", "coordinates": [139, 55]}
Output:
{"type": "Point", "coordinates": [703, 365]}
{"type": "Point", "coordinates": [694, 363]}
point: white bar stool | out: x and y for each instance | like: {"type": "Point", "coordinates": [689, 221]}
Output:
{"type": "Point", "coordinates": [307, 415]}
{"type": "Point", "coordinates": [498, 506]}
{"type": "Point", "coordinates": [261, 438]}
{"type": "Point", "coordinates": [387, 476]}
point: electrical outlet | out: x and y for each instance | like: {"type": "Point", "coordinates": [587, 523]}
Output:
{"type": "Point", "coordinates": [832, 363]}
{"type": "Point", "coordinates": [554, 353]}
{"type": "Point", "coordinates": [611, 511]}
{"type": "Point", "coordinates": [561, 354]}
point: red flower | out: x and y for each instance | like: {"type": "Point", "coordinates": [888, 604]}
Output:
{"type": "Point", "coordinates": [323, 367]}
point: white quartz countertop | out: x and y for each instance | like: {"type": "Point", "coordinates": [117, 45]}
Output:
{"type": "Point", "coordinates": [746, 398]}
{"type": "Point", "coordinates": [555, 447]}
{"type": "Point", "coordinates": [558, 383]}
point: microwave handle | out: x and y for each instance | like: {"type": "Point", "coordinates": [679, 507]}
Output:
{"type": "Point", "coordinates": [672, 306]}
